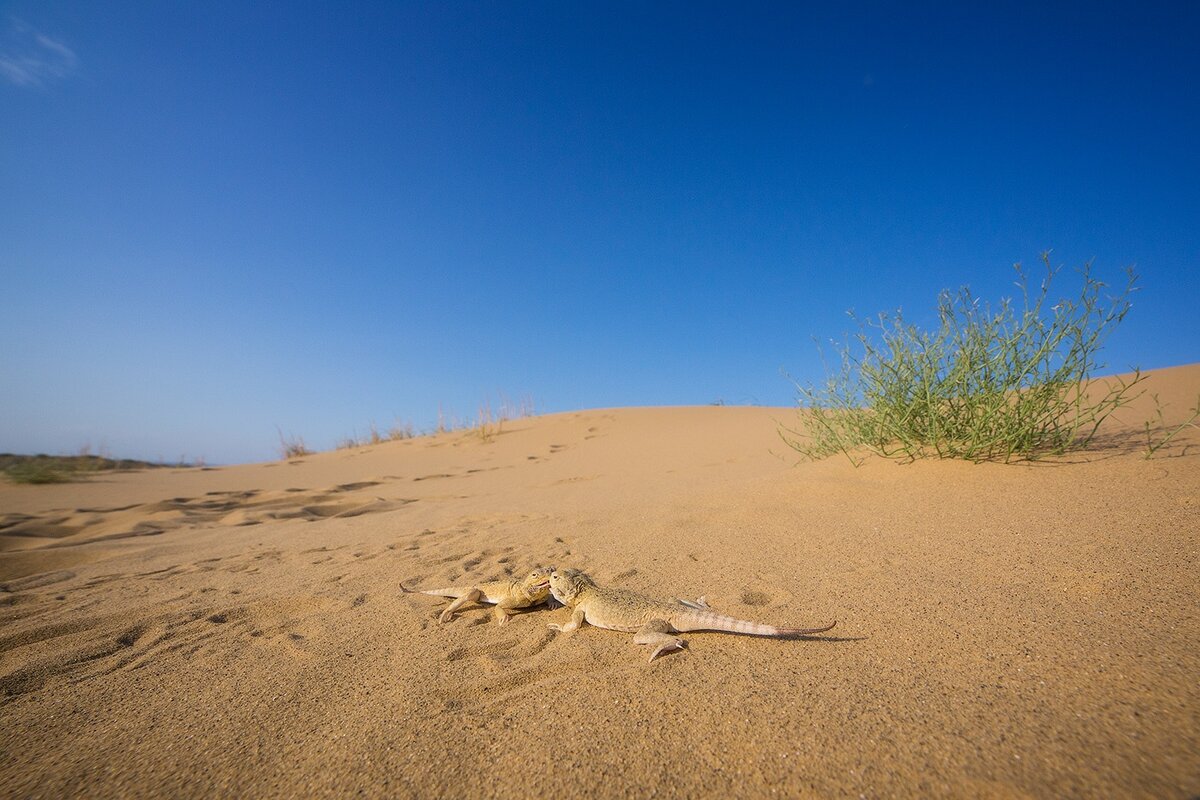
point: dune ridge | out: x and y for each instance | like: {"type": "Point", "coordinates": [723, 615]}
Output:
{"type": "Point", "coordinates": [1018, 630]}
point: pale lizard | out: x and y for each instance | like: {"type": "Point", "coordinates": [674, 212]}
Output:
{"type": "Point", "coordinates": [652, 621]}
{"type": "Point", "coordinates": [505, 595]}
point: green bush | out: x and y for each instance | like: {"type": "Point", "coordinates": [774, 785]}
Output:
{"type": "Point", "coordinates": [37, 472]}
{"type": "Point", "coordinates": [1014, 383]}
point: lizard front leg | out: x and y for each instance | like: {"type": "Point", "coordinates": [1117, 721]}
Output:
{"type": "Point", "coordinates": [577, 618]}
{"type": "Point", "coordinates": [470, 596]}
{"type": "Point", "coordinates": [657, 634]}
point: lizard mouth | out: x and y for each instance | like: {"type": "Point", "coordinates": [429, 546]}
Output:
{"type": "Point", "coordinates": [542, 585]}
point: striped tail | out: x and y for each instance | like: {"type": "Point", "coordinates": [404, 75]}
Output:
{"type": "Point", "coordinates": [449, 591]}
{"type": "Point", "coordinates": [708, 621]}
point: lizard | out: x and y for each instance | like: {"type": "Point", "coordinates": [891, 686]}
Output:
{"type": "Point", "coordinates": [653, 622]}
{"type": "Point", "coordinates": [506, 595]}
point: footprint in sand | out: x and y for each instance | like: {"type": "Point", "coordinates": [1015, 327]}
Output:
{"type": "Point", "coordinates": [755, 598]}
{"type": "Point", "coordinates": [234, 508]}
{"type": "Point", "coordinates": [351, 487]}
{"type": "Point", "coordinates": [496, 672]}
{"type": "Point", "coordinates": [36, 581]}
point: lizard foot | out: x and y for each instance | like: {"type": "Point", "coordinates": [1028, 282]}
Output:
{"type": "Point", "coordinates": [446, 616]}
{"type": "Point", "coordinates": [657, 634]}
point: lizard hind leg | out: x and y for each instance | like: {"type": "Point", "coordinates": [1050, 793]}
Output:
{"type": "Point", "coordinates": [657, 634]}
{"type": "Point", "coordinates": [471, 596]}
{"type": "Point", "coordinates": [503, 611]}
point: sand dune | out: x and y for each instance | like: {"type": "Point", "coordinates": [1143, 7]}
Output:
{"type": "Point", "coordinates": [1003, 630]}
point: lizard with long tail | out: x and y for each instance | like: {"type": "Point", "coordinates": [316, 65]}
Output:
{"type": "Point", "coordinates": [506, 595]}
{"type": "Point", "coordinates": [653, 622]}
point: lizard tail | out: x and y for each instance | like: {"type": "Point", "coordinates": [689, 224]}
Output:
{"type": "Point", "coordinates": [708, 621]}
{"type": "Point", "coordinates": [449, 591]}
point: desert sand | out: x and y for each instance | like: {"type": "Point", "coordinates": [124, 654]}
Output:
{"type": "Point", "coordinates": [1028, 630]}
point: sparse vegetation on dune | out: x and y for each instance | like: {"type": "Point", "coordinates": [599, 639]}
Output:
{"type": "Point", "coordinates": [1014, 383]}
{"type": "Point", "coordinates": [291, 446]}
{"type": "Point", "coordinates": [487, 424]}
{"type": "Point", "coordinates": [400, 431]}
{"type": "Point", "coordinates": [397, 432]}
{"type": "Point", "coordinates": [42, 468]}
{"type": "Point", "coordinates": [1159, 433]}
{"type": "Point", "coordinates": [489, 421]}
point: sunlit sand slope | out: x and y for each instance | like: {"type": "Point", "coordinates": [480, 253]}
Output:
{"type": "Point", "coordinates": [1003, 631]}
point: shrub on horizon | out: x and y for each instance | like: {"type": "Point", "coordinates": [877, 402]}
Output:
{"type": "Point", "coordinates": [984, 385]}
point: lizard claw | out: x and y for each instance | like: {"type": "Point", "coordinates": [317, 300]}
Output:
{"type": "Point", "coordinates": [667, 647]}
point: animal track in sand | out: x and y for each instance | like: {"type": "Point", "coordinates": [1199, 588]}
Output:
{"type": "Point", "coordinates": [249, 563]}
{"type": "Point", "coordinates": [352, 487]}
{"type": "Point", "coordinates": [496, 672]}
{"type": "Point", "coordinates": [89, 648]}
{"type": "Point", "coordinates": [90, 524]}
{"type": "Point", "coordinates": [323, 549]}
{"type": "Point", "coordinates": [755, 598]}
{"type": "Point", "coordinates": [36, 581]}
{"type": "Point", "coordinates": [477, 650]}
{"type": "Point", "coordinates": [84, 647]}
{"type": "Point", "coordinates": [575, 479]}
{"type": "Point", "coordinates": [766, 593]}
{"type": "Point", "coordinates": [463, 474]}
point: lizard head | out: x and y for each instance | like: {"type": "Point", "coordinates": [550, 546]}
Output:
{"type": "Point", "coordinates": [566, 585]}
{"type": "Point", "coordinates": [537, 583]}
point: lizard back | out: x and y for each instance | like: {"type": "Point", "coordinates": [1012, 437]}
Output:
{"type": "Point", "coordinates": [621, 609]}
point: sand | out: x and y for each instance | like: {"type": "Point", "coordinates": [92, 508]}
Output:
{"type": "Point", "coordinates": [1003, 630]}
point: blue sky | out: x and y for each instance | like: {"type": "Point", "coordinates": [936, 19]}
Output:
{"type": "Point", "coordinates": [219, 218]}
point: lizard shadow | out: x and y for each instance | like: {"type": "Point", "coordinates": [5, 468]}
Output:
{"type": "Point", "coordinates": [786, 638]}
{"type": "Point", "coordinates": [793, 638]}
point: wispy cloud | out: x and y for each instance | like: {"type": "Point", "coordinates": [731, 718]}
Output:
{"type": "Point", "coordinates": [31, 58]}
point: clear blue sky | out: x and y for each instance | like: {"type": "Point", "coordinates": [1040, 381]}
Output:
{"type": "Point", "coordinates": [219, 218]}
